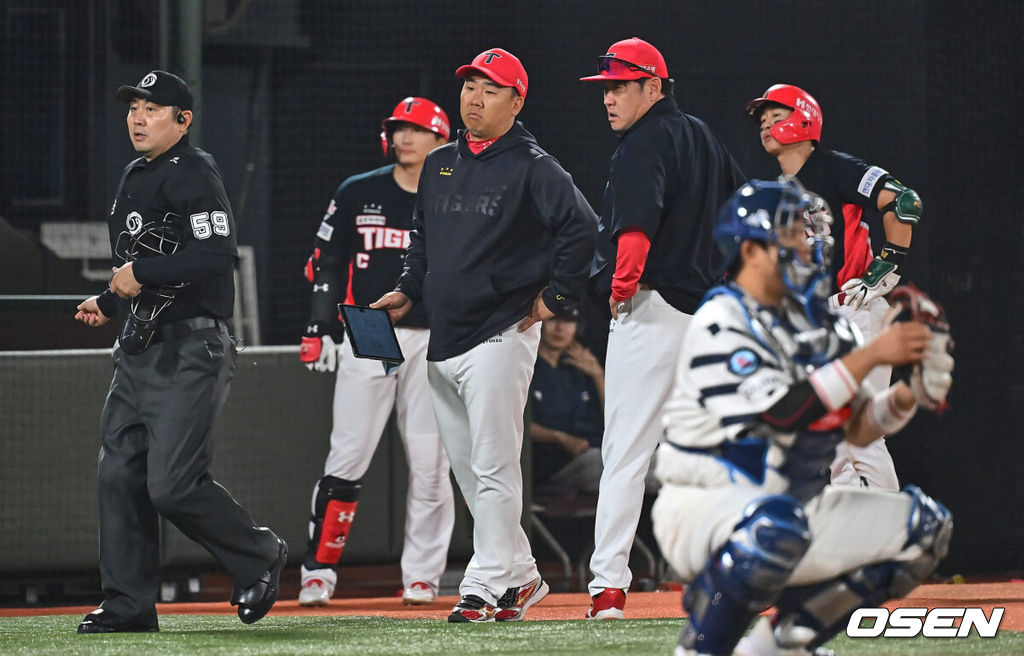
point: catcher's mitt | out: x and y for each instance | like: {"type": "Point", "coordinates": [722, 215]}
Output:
{"type": "Point", "coordinates": [931, 378]}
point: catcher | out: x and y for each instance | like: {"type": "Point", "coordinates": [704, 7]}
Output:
{"type": "Point", "coordinates": [768, 384]}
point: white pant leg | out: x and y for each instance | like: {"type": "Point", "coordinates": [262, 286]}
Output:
{"type": "Point", "coordinates": [363, 399]}
{"type": "Point", "coordinates": [429, 507]}
{"type": "Point", "coordinates": [849, 528]}
{"type": "Point", "coordinates": [872, 463]}
{"type": "Point", "coordinates": [643, 350]}
{"type": "Point", "coordinates": [479, 400]}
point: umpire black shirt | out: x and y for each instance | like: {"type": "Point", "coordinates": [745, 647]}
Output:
{"type": "Point", "coordinates": [184, 185]}
{"type": "Point", "coordinates": [668, 177]}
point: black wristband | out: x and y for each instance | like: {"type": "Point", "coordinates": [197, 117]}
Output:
{"type": "Point", "coordinates": [894, 254]}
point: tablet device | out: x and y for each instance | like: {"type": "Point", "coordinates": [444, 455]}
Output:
{"type": "Point", "coordinates": [370, 333]}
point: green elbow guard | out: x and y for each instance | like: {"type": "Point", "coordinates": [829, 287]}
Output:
{"type": "Point", "coordinates": [906, 205]}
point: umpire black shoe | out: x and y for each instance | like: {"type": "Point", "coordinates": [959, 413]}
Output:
{"type": "Point", "coordinates": [103, 621]}
{"type": "Point", "coordinates": [256, 600]}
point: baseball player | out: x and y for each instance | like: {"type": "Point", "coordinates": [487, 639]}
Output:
{"type": "Point", "coordinates": [654, 259]}
{"type": "Point", "coordinates": [769, 382]}
{"type": "Point", "coordinates": [790, 121]}
{"type": "Point", "coordinates": [173, 237]}
{"type": "Point", "coordinates": [357, 255]}
{"type": "Point", "coordinates": [501, 240]}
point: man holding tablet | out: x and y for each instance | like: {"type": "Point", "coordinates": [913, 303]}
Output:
{"type": "Point", "coordinates": [501, 239]}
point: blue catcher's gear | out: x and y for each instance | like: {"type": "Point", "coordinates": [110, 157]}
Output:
{"type": "Point", "coordinates": [809, 616]}
{"type": "Point", "coordinates": [769, 212]}
{"type": "Point", "coordinates": [746, 575]}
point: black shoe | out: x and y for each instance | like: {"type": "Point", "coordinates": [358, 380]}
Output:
{"type": "Point", "coordinates": [256, 600]}
{"type": "Point", "coordinates": [103, 621]}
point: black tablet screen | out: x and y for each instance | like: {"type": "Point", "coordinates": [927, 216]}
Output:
{"type": "Point", "coordinates": [371, 333]}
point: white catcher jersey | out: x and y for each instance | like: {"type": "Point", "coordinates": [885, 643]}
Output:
{"type": "Point", "coordinates": [738, 359]}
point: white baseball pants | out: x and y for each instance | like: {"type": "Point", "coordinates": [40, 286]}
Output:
{"type": "Point", "coordinates": [643, 352]}
{"type": "Point", "coordinates": [850, 527]}
{"type": "Point", "coordinates": [363, 400]}
{"type": "Point", "coordinates": [479, 400]}
{"type": "Point", "coordinates": [871, 464]}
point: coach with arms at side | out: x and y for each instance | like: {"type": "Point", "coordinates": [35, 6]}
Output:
{"type": "Point", "coordinates": [501, 240]}
{"type": "Point", "coordinates": [654, 261]}
{"type": "Point", "coordinates": [173, 365]}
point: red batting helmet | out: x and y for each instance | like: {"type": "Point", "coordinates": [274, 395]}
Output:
{"type": "Point", "coordinates": [805, 122]}
{"type": "Point", "coordinates": [418, 111]}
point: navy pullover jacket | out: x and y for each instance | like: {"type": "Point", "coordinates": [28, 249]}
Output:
{"type": "Point", "coordinates": [490, 231]}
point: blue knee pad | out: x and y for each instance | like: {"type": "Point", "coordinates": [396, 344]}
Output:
{"type": "Point", "coordinates": [746, 575]}
{"type": "Point", "coordinates": [824, 609]}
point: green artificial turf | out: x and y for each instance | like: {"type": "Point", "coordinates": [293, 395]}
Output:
{"type": "Point", "coordinates": [202, 635]}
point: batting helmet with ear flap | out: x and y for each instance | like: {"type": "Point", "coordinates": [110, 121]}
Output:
{"type": "Point", "coordinates": [802, 125]}
{"type": "Point", "coordinates": [419, 111]}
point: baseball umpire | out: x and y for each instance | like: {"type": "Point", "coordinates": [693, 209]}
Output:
{"type": "Point", "coordinates": [769, 382]}
{"type": "Point", "coordinates": [790, 126]}
{"type": "Point", "coordinates": [357, 256]}
{"type": "Point", "coordinates": [501, 240]}
{"type": "Point", "coordinates": [174, 243]}
{"type": "Point", "coordinates": [654, 258]}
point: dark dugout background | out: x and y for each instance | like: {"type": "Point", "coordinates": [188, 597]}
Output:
{"type": "Point", "coordinates": [293, 93]}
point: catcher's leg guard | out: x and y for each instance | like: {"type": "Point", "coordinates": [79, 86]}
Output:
{"type": "Point", "coordinates": [333, 511]}
{"type": "Point", "coordinates": [809, 616]}
{"type": "Point", "coordinates": [746, 575]}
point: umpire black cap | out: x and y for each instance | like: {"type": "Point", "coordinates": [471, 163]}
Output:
{"type": "Point", "coordinates": [159, 87]}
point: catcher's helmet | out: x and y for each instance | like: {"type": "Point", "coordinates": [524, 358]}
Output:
{"type": "Point", "coordinates": [762, 211]}
{"type": "Point", "coordinates": [805, 122]}
{"type": "Point", "coordinates": [419, 111]}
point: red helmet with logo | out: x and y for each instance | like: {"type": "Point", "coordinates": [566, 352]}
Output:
{"type": "Point", "coordinates": [802, 125]}
{"type": "Point", "coordinates": [419, 111]}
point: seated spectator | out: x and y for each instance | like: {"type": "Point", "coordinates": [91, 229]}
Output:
{"type": "Point", "coordinates": [567, 416]}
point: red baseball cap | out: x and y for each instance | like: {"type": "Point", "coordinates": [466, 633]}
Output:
{"type": "Point", "coordinates": [631, 59]}
{"type": "Point", "coordinates": [499, 66]}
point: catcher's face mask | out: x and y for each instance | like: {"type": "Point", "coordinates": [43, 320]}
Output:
{"type": "Point", "coordinates": [803, 232]}
{"type": "Point", "coordinates": [152, 239]}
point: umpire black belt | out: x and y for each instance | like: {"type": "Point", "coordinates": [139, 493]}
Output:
{"type": "Point", "coordinates": [179, 329]}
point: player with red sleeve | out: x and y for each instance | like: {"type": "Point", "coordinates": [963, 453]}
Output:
{"type": "Point", "coordinates": [790, 124]}
{"type": "Point", "coordinates": [654, 258]}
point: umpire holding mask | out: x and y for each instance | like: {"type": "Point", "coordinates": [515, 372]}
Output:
{"type": "Point", "coordinates": [173, 238]}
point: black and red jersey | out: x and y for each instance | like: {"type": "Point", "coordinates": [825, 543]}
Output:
{"type": "Point", "coordinates": [849, 186]}
{"type": "Point", "coordinates": [360, 245]}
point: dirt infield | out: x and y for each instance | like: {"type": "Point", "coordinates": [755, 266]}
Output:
{"type": "Point", "coordinates": [1003, 594]}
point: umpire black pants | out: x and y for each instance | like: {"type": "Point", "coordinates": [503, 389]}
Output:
{"type": "Point", "coordinates": [155, 458]}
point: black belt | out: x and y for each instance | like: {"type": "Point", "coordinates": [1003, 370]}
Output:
{"type": "Point", "coordinates": [179, 329]}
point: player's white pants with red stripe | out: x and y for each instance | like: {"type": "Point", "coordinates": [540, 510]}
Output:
{"type": "Point", "coordinates": [872, 463]}
{"type": "Point", "coordinates": [479, 399]}
{"type": "Point", "coordinates": [643, 352]}
{"type": "Point", "coordinates": [363, 400]}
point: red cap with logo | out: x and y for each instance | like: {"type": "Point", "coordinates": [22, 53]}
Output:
{"type": "Point", "coordinates": [631, 59]}
{"type": "Point", "coordinates": [500, 66]}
